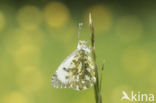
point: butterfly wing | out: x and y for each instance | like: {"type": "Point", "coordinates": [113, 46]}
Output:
{"type": "Point", "coordinates": [59, 78]}
{"type": "Point", "coordinates": [76, 71]}
{"type": "Point", "coordinates": [84, 72]}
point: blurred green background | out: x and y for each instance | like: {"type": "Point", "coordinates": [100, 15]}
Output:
{"type": "Point", "coordinates": [36, 35]}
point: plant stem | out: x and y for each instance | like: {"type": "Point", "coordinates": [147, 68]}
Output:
{"type": "Point", "coordinates": [97, 86]}
{"type": "Point", "coordinates": [102, 68]}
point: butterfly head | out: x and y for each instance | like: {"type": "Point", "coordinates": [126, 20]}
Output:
{"type": "Point", "coordinates": [83, 46]}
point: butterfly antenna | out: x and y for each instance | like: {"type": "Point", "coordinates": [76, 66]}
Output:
{"type": "Point", "coordinates": [79, 29]}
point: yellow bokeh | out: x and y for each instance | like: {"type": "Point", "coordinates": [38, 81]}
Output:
{"type": "Point", "coordinates": [56, 14]}
{"type": "Point", "coordinates": [135, 60]}
{"type": "Point", "coordinates": [27, 55]}
{"type": "Point", "coordinates": [19, 37]}
{"type": "Point", "coordinates": [24, 46]}
{"type": "Point", "coordinates": [66, 34]}
{"type": "Point", "coordinates": [30, 79]}
{"type": "Point", "coordinates": [128, 28]}
{"type": "Point", "coordinates": [29, 17]}
{"type": "Point", "coordinates": [102, 17]}
{"type": "Point", "coordinates": [2, 21]}
{"type": "Point", "coordinates": [28, 37]}
{"type": "Point", "coordinates": [15, 97]}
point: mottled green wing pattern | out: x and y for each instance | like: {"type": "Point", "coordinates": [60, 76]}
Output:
{"type": "Point", "coordinates": [83, 72]}
{"type": "Point", "coordinates": [76, 71]}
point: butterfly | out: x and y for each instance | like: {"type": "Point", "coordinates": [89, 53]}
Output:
{"type": "Point", "coordinates": [77, 70]}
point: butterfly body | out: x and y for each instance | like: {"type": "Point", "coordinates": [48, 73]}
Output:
{"type": "Point", "coordinates": [76, 71]}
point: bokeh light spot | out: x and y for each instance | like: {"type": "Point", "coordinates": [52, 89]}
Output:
{"type": "Point", "coordinates": [27, 37]}
{"type": "Point", "coordinates": [24, 46]}
{"type": "Point", "coordinates": [56, 14]}
{"type": "Point", "coordinates": [102, 17]}
{"type": "Point", "coordinates": [30, 79]}
{"type": "Point", "coordinates": [2, 21]}
{"type": "Point", "coordinates": [135, 60]}
{"type": "Point", "coordinates": [15, 97]}
{"type": "Point", "coordinates": [27, 55]}
{"type": "Point", "coordinates": [29, 17]}
{"type": "Point", "coordinates": [128, 28]}
{"type": "Point", "coordinates": [66, 34]}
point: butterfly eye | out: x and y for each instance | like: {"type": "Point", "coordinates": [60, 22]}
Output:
{"type": "Point", "coordinates": [64, 69]}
